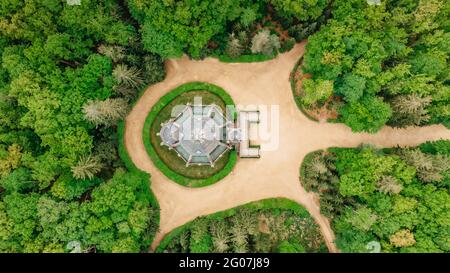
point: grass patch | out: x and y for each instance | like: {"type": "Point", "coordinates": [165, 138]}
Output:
{"type": "Point", "coordinates": [167, 161]}
{"type": "Point", "coordinates": [251, 58]}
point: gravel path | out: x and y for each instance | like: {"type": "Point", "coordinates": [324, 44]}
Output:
{"type": "Point", "coordinates": [276, 173]}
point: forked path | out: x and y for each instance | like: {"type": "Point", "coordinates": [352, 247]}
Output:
{"type": "Point", "coordinates": [276, 173]}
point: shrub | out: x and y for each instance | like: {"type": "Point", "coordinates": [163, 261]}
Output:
{"type": "Point", "coordinates": [153, 69]}
{"type": "Point", "coordinates": [234, 48]}
{"type": "Point", "coordinates": [316, 91]}
{"type": "Point", "coordinates": [265, 43]}
{"type": "Point", "coordinates": [300, 32]}
{"type": "Point", "coordinates": [436, 147]}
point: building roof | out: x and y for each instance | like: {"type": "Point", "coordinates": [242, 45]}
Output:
{"type": "Point", "coordinates": [198, 134]}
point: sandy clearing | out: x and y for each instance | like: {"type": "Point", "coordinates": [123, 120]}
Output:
{"type": "Point", "coordinates": [276, 173]}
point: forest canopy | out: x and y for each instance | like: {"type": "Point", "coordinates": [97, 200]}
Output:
{"type": "Point", "coordinates": [67, 75]}
{"type": "Point", "coordinates": [70, 73]}
{"type": "Point", "coordinates": [387, 62]}
{"type": "Point", "coordinates": [398, 198]}
{"type": "Point", "coordinates": [171, 28]}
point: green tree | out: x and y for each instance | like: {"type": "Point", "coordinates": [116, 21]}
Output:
{"type": "Point", "coordinates": [369, 114]}
{"type": "Point", "coordinates": [287, 247]}
{"type": "Point", "coordinates": [234, 48]}
{"type": "Point", "coordinates": [160, 43]}
{"type": "Point", "coordinates": [248, 16]}
{"type": "Point", "coordinates": [18, 180]}
{"type": "Point", "coordinates": [302, 9]}
{"type": "Point", "coordinates": [170, 27]}
{"type": "Point", "coordinates": [409, 110]}
{"type": "Point", "coordinates": [363, 218]}
{"type": "Point", "coordinates": [86, 167]}
{"type": "Point", "coordinates": [316, 91]}
{"type": "Point", "coordinates": [6, 226]}
{"type": "Point", "coordinates": [125, 245]}
{"type": "Point", "coordinates": [356, 184]}
{"type": "Point", "coordinates": [265, 43]}
{"type": "Point", "coordinates": [127, 76]}
{"type": "Point", "coordinates": [200, 241]}
{"type": "Point", "coordinates": [106, 112]}
{"type": "Point", "coordinates": [220, 236]}
{"type": "Point", "coordinates": [352, 87]}
{"type": "Point", "coordinates": [22, 210]}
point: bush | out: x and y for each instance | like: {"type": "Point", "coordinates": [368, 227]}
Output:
{"type": "Point", "coordinates": [265, 43]}
{"type": "Point", "coordinates": [295, 92]}
{"type": "Point", "coordinates": [352, 87]}
{"type": "Point", "coordinates": [160, 43]}
{"type": "Point", "coordinates": [300, 32]}
{"type": "Point", "coordinates": [287, 45]}
{"type": "Point", "coordinates": [153, 69]}
{"type": "Point", "coordinates": [369, 114]}
{"type": "Point", "coordinates": [436, 147]}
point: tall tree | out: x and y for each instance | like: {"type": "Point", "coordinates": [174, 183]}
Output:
{"type": "Point", "coordinates": [106, 112]}
{"type": "Point", "coordinates": [86, 167]}
{"type": "Point", "coordinates": [265, 43]}
{"type": "Point", "coordinates": [369, 114]}
{"type": "Point", "coordinates": [410, 110]}
{"type": "Point", "coordinates": [234, 48]}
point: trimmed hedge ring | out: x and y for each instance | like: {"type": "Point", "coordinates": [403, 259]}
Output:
{"type": "Point", "coordinates": [162, 102]}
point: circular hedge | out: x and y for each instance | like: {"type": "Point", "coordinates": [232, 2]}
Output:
{"type": "Point", "coordinates": [297, 97]}
{"type": "Point", "coordinates": [167, 161]}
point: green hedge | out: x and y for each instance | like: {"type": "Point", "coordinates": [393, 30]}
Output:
{"type": "Point", "coordinates": [163, 101]}
{"type": "Point", "coordinates": [132, 168]}
{"type": "Point", "coordinates": [272, 203]}
{"type": "Point", "coordinates": [253, 58]}
{"type": "Point", "coordinates": [298, 99]}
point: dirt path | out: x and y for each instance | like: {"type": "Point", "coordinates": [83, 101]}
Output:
{"type": "Point", "coordinates": [276, 173]}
